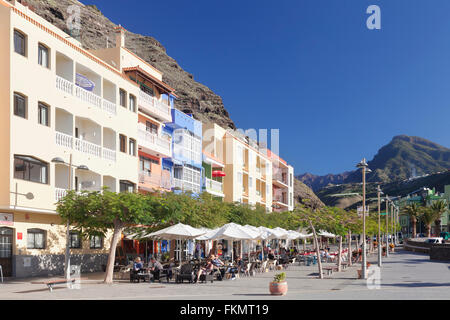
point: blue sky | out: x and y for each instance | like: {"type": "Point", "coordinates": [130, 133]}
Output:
{"type": "Point", "coordinates": [311, 68]}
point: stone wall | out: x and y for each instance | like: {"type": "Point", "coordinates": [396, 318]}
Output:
{"type": "Point", "coordinates": [53, 265]}
{"type": "Point", "coordinates": [417, 245]}
{"type": "Point", "coordinates": [440, 252]}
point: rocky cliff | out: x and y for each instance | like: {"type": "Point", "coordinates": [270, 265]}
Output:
{"type": "Point", "coordinates": [97, 30]}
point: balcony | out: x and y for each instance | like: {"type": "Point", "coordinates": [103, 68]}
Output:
{"type": "Point", "coordinates": [109, 154]}
{"type": "Point", "coordinates": [60, 193]}
{"type": "Point", "coordinates": [153, 143]}
{"type": "Point", "coordinates": [109, 107]}
{"type": "Point", "coordinates": [154, 107]}
{"type": "Point", "coordinates": [279, 180]}
{"type": "Point", "coordinates": [84, 146]}
{"type": "Point", "coordinates": [214, 187]}
{"type": "Point", "coordinates": [85, 96]}
{"type": "Point", "coordinates": [177, 183]}
{"type": "Point", "coordinates": [88, 147]}
{"type": "Point", "coordinates": [151, 179]}
{"type": "Point", "coordinates": [88, 97]}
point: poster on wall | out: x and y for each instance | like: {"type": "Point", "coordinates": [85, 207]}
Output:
{"type": "Point", "coordinates": [6, 219]}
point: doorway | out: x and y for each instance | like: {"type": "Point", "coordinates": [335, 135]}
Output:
{"type": "Point", "coordinates": [6, 243]}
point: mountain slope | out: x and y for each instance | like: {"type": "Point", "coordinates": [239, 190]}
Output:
{"type": "Point", "coordinates": [403, 158]}
{"type": "Point", "coordinates": [97, 31]}
{"type": "Point", "coordinates": [303, 192]}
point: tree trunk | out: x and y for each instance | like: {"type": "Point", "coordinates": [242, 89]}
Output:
{"type": "Point", "coordinates": [350, 250]}
{"type": "Point", "coordinates": [340, 254]}
{"type": "Point", "coordinates": [319, 262]}
{"type": "Point", "coordinates": [414, 226]}
{"type": "Point", "coordinates": [118, 228]}
{"type": "Point", "coordinates": [429, 230]}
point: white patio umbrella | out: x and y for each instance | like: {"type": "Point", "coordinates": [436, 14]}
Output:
{"type": "Point", "coordinates": [233, 232]}
{"type": "Point", "coordinates": [326, 234]}
{"type": "Point", "coordinates": [178, 231]}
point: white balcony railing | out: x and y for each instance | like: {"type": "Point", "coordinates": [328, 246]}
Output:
{"type": "Point", "coordinates": [86, 96]}
{"type": "Point", "coordinates": [213, 185]}
{"type": "Point", "coordinates": [153, 106]}
{"type": "Point", "coordinates": [64, 85]}
{"type": "Point", "coordinates": [88, 147]}
{"type": "Point", "coordinates": [154, 142]}
{"type": "Point", "coordinates": [109, 107]}
{"type": "Point", "coordinates": [109, 154]}
{"type": "Point", "coordinates": [177, 183]}
{"type": "Point", "coordinates": [60, 193]}
{"type": "Point", "coordinates": [64, 140]}
{"type": "Point", "coordinates": [84, 146]}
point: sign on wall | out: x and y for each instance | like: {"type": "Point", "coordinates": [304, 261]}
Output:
{"type": "Point", "coordinates": [6, 219]}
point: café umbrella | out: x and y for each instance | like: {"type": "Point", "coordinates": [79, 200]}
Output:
{"type": "Point", "coordinates": [178, 231]}
{"type": "Point", "coordinates": [233, 232]}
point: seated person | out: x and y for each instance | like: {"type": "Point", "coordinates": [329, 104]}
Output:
{"type": "Point", "coordinates": [284, 259]}
{"type": "Point", "coordinates": [137, 265]}
{"type": "Point", "coordinates": [238, 266]}
{"type": "Point", "coordinates": [271, 256]}
{"type": "Point", "coordinates": [217, 265]}
{"type": "Point", "coordinates": [155, 268]}
{"type": "Point", "coordinates": [205, 270]}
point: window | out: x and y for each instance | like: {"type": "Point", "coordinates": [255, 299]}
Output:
{"type": "Point", "coordinates": [20, 105]}
{"type": "Point", "coordinates": [31, 169]}
{"type": "Point", "coordinates": [126, 186]}
{"type": "Point", "coordinates": [20, 43]}
{"type": "Point", "coordinates": [148, 90]}
{"type": "Point", "coordinates": [43, 56]}
{"type": "Point", "coordinates": [96, 242]}
{"type": "Point", "coordinates": [123, 98]}
{"type": "Point", "coordinates": [132, 103]}
{"type": "Point", "coordinates": [132, 147]}
{"type": "Point", "coordinates": [35, 239]}
{"type": "Point", "coordinates": [43, 114]}
{"type": "Point", "coordinates": [145, 164]}
{"type": "Point", "coordinates": [123, 143]}
{"type": "Point", "coordinates": [151, 127]}
{"type": "Point", "coordinates": [75, 240]}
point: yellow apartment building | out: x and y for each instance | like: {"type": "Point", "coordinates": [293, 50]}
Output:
{"type": "Point", "coordinates": [248, 173]}
{"type": "Point", "coordinates": [60, 100]}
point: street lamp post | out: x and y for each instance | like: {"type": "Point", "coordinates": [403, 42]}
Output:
{"type": "Point", "coordinates": [392, 222]}
{"type": "Point", "coordinates": [379, 225]}
{"type": "Point", "coordinates": [363, 165]}
{"type": "Point", "coordinates": [67, 253]}
{"type": "Point", "coordinates": [387, 226]}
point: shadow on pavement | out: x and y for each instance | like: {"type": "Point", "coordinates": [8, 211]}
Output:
{"type": "Point", "coordinates": [417, 284]}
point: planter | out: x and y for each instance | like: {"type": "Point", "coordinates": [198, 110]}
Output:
{"type": "Point", "coordinates": [278, 288]}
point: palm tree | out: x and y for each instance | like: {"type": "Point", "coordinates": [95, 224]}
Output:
{"type": "Point", "coordinates": [428, 217]}
{"type": "Point", "coordinates": [439, 207]}
{"type": "Point", "coordinates": [414, 213]}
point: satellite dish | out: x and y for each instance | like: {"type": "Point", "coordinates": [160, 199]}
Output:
{"type": "Point", "coordinates": [29, 196]}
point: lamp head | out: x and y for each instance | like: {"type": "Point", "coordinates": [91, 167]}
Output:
{"type": "Point", "coordinates": [83, 167]}
{"type": "Point", "coordinates": [58, 160]}
{"type": "Point", "coordinates": [362, 164]}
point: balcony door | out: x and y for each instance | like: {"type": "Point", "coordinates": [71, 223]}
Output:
{"type": "Point", "coordinates": [6, 243]}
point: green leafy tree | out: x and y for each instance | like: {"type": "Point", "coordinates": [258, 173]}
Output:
{"type": "Point", "coordinates": [98, 212]}
{"type": "Point", "coordinates": [414, 212]}
{"type": "Point", "coordinates": [438, 207]}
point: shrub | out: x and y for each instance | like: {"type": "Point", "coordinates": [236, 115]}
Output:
{"type": "Point", "coordinates": [280, 277]}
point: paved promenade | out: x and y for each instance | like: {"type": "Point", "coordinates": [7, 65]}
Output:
{"type": "Point", "coordinates": [404, 276]}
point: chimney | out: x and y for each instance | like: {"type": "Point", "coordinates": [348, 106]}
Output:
{"type": "Point", "coordinates": [120, 36]}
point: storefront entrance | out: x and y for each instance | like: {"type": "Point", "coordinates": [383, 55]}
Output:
{"type": "Point", "coordinates": [6, 243]}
